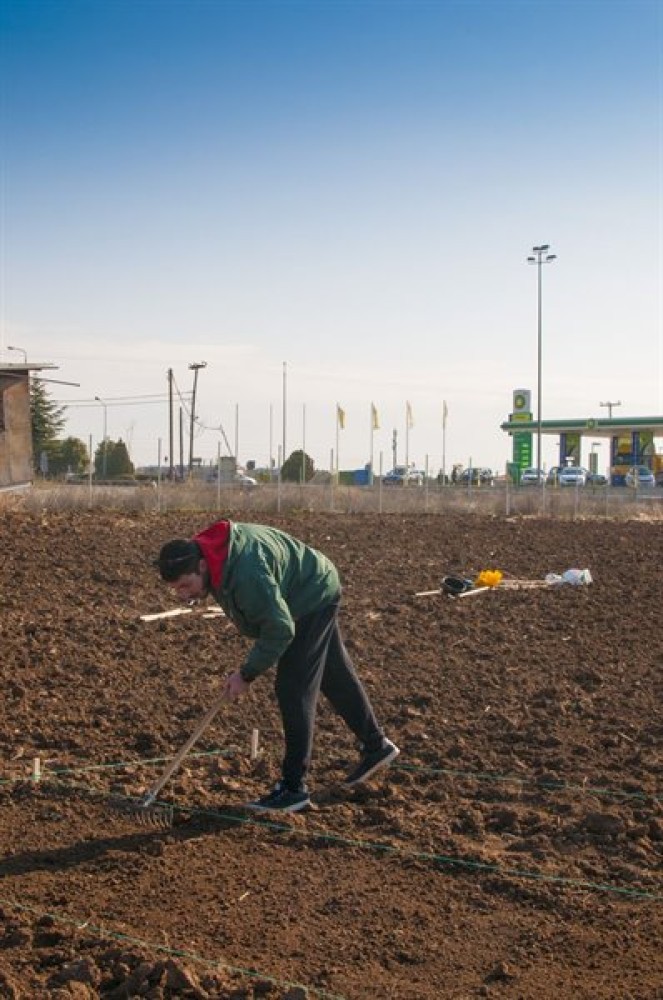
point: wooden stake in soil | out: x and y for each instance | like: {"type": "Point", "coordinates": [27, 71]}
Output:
{"type": "Point", "coordinates": [254, 744]}
{"type": "Point", "coordinates": [211, 612]}
{"type": "Point", "coordinates": [166, 614]}
{"type": "Point", "coordinates": [477, 590]}
{"type": "Point", "coordinates": [36, 769]}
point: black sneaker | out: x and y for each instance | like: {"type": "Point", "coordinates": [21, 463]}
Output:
{"type": "Point", "coordinates": [281, 799]}
{"type": "Point", "coordinates": [370, 763]}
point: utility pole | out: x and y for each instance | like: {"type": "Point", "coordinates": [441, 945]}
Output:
{"type": "Point", "coordinates": [610, 407]}
{"type": "Point", "coordinates": [195, 368]}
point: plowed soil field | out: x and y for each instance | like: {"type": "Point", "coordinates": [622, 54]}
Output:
{"type": "Point", "coordinates": [515, 850]}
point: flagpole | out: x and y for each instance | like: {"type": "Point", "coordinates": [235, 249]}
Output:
{"type": "Point", "coordinates": [372, 428]}
{"type": "Point", "coordinates": [271, 442]}
{"type": "Point", "coordinates": [444, 441]}
{"type": "Point", "coordinates": [285, 408]}
{"type": "Point", "coordinates": [337, 429]}
{"type": "Point", "coordinates": [407, 435]}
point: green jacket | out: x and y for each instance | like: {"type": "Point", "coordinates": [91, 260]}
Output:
{"type": "Point", "coordinates": [271, 579]}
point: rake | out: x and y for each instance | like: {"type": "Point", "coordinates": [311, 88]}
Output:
{"type": "Point", "coordinates": [147, 810]}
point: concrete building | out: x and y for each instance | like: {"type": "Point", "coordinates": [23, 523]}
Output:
{"type": "Point", "coordinates": [16, 460]}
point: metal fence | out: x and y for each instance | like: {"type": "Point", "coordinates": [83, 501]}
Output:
{"type": "Point", "coordinates": [499, 500]}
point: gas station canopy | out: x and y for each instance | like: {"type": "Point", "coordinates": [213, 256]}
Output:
{"type": "Point", "coordinates": [594, 426]}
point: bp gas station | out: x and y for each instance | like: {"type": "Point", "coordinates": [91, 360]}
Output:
{"type": "Point", "coordinates": [632, 440]}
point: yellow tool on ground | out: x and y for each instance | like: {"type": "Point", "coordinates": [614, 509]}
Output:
{"type": "Point", "coordinates": [489, 578]}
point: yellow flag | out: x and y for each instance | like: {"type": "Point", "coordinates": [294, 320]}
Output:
{"type": "Point", "coordinates": [340, 416]}
{"type": "Point", "coordinates": [375, 420]}
{"type": "Point", "coordinates": [408, 416]}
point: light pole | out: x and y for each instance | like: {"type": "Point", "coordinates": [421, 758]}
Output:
{"type": "Point", "coordinates": [540, 257]}
{"type": "Point", "coordinates": [610, 407]}
{"type": "Point", "coordinates": [104, 453]}
{"type": "Point", "coordinates": [24, 353]}
{"type": "Point", "coordinates": [195, 368]}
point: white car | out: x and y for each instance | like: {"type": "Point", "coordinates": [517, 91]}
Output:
{"type": "Point", "coordinates": [572, 475]}
{"type": "Point", "coordinates": [242, 480]}
{"type": "Point", "coordinates": [531, 477]}
{"type": "Point", "coordinates": [401, 475]}
{"type": "Point", "coordinates": [639, 476]}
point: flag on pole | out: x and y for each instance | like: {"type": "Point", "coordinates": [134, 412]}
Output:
{"type": "Point", "coordinates": [408, 416]}
{"type": "Point", "coordinates": [340, 417]}
{"type": "Point", "coordinates": [445, 413]}
{"type": "Point", "coordinates": [375, 420]}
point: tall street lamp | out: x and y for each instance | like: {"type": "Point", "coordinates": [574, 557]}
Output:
{"type": "Point", "coordinates": [540, 257]}
{"type": "Point", "coordinates": [195, 368]}
{"type": "Point", "coordinates": [104, 453]}
{"type": "Point", "coordinates": [24, 353]}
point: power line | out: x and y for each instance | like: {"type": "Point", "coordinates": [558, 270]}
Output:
{"type": "Point", "coordinates": [116, 401]}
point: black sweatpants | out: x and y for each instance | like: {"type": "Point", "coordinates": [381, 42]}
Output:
{"type": "Point", "coordinates": [316, 660]}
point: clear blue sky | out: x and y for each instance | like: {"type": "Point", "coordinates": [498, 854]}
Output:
{"type": "Point", "coordinates": [351, 188]}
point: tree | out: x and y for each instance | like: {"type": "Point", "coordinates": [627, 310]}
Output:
{"type": "Point", "coordinates": [291, 471]}
{"type": "Point", "coordinates": [69, 455]}
{"type": "Point", "coordinates": [47, 419]}
{"type": "Point", "coordinates": [111, 459]}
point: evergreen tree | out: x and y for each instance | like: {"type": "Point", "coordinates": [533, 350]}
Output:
{"type": "Point", "coordinates": [115, 462]}
{"type": "Point", "coordinates": [294, 465]}
{"type": "Point", "coordinates": [47, 420]}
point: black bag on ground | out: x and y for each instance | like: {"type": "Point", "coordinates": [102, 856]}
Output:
{"type": "Point", "coordinates": [455, 585]}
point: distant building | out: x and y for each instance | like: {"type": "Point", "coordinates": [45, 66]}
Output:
{"type": "Point", "coordinates": [16, 460]}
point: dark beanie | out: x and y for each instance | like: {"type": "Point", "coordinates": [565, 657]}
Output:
{"type": "Point", "coordinates": [177, 558]}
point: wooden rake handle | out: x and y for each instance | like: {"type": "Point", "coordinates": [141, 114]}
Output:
{"type": "Point", "coordinates": [214, 708]}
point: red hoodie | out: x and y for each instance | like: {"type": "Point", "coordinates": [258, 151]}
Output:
{"type": "Point", "coordinates": [214, 543]}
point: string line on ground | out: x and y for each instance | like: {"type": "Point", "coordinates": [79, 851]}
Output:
{"type": "Point", "coordinates": [211, 964]}
{"type": "Point", "coordinates": [497, 777]}
{"type": "Point", "coordinates": [369, 845]}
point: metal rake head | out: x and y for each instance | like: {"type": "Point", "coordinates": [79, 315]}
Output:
{"type": "Point", "coordinates": [146, 811]}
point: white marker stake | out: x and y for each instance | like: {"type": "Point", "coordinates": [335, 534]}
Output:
{"type": "Point", "coordinates": [476, 590]}
{"type": "Point", "coordinates": [36, 769]}
{"type": "Point", "coordinates": [211, 612]}
{"type": "Point", "coordinates": [254, 744]}
{"type": "Point", "coordinates": [166, 614]}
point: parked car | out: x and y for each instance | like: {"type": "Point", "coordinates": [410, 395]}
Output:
{"type": "Point", "coordinates": [573, 475]}
{"type": "Point", "coordinates": [552, 479]}
{"type": "Point", "coordinates": [243, 480]}
{"type": "Point", "coordinates": [531, 477]}
{"type": "Point", "coordinates": [400, 475]}
{"type": "Point", "coordinates": [238, 479]}
{"type": "Point", "coordinates": [596, 479]}
{"type": "Point", "coordinates": [477, 477]}
{"type": "Point", "coordinates": [640, 476]}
